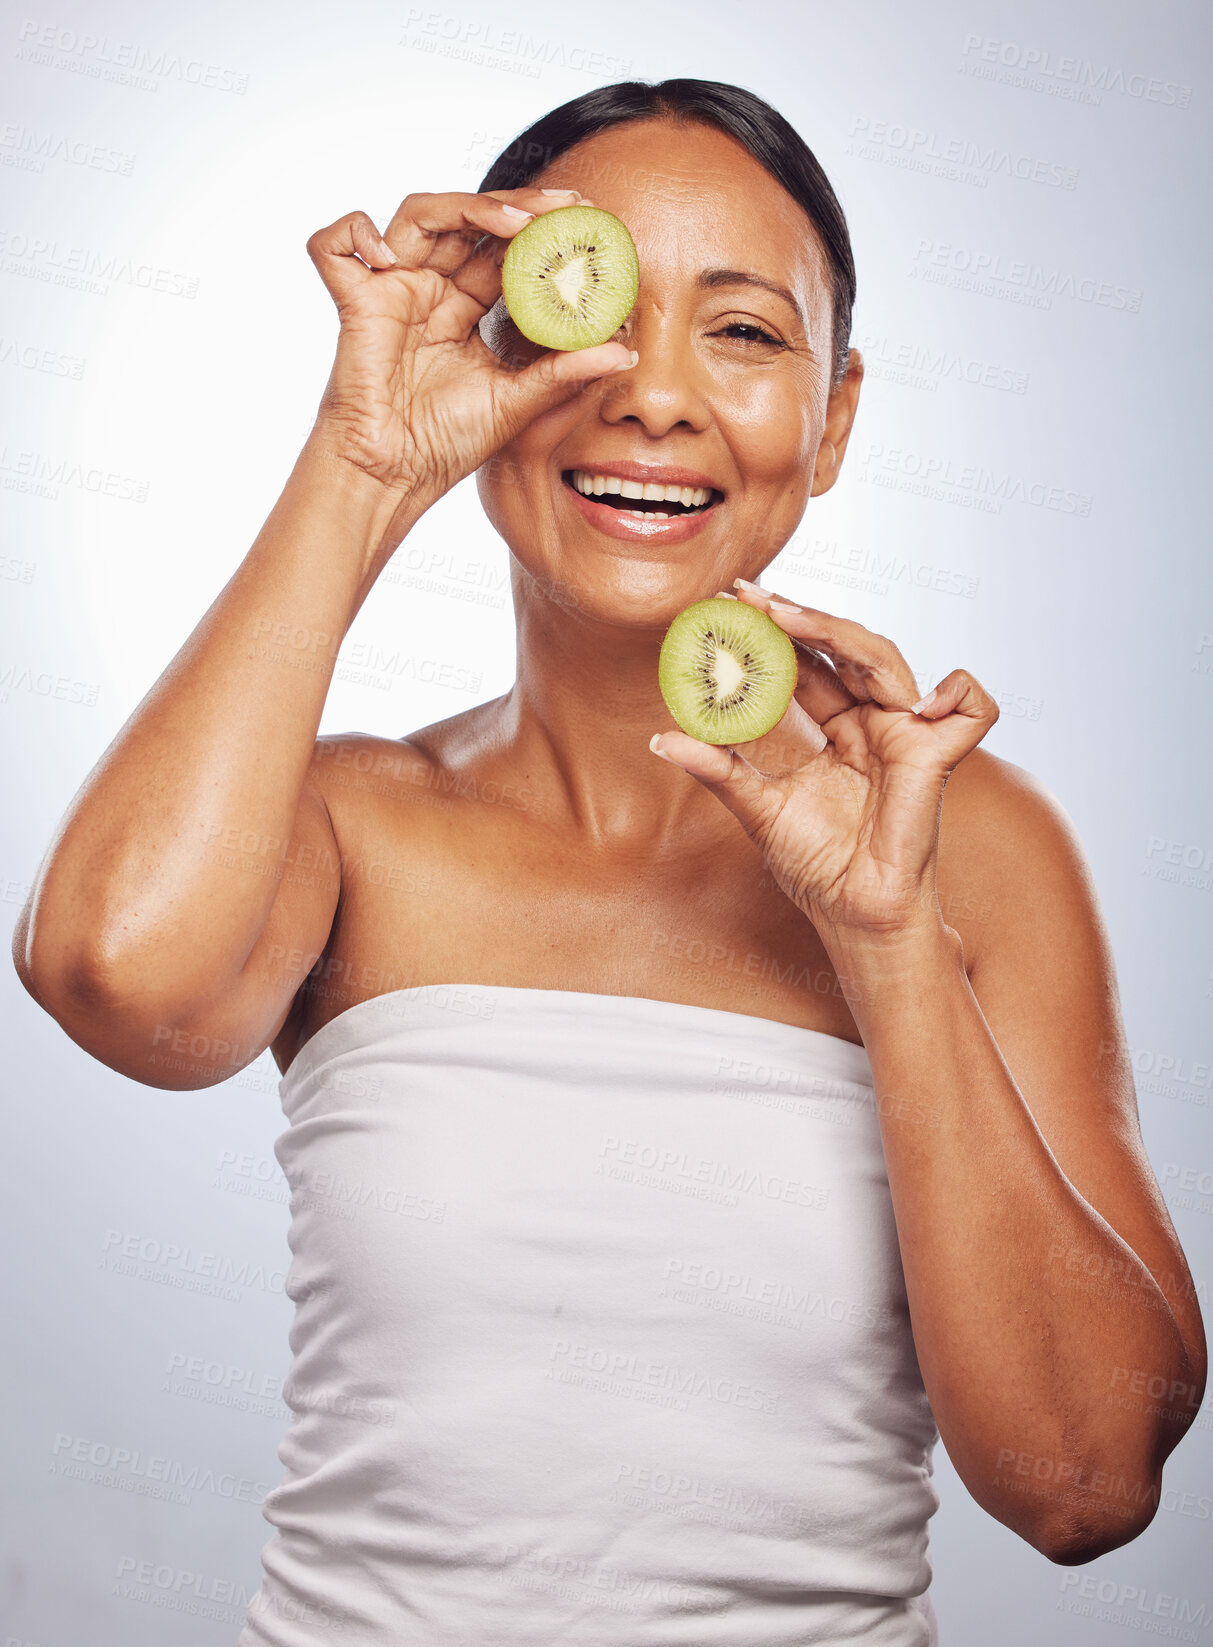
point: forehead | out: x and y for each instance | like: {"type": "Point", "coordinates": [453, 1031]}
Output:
{"type": "Point", "coordinates": [694, 198]}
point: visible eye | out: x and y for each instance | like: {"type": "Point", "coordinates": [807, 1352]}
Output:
{"type": "Point", "coordinates": [747, 332]}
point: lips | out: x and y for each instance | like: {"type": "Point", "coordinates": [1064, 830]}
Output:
{"type": "Point", "coordinates": [631, 500]}
{"type": "Point", "coordinates": [648, 497]}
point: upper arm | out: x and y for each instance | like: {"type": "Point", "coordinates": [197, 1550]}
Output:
{"type": "Point", "coordinates": [183, 1044]}
{"type": "Point", "coordinates": [1041, 966]}
{"type": "Point", "coordinates": [297, 930]}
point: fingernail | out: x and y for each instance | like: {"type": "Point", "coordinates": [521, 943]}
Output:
{"type": "Point", "coordinates": [782, 606]}
{"type": "Point", "coordinates": [744, 583]}
{"type": "Point", "coordinates": [626, 365]}
{"type": "Point", "coordinates": [388, 252]}
{"type": "Point", "coordinates": [723, 594]}
{"type": "Point", "coordinates": [515, 211]}
{"type": "Point", "coordinates": [560, 191]}
{"type": "Point", "coordinates": [924, 703]}
{"type": "Point", "coordinates": [661, 752]}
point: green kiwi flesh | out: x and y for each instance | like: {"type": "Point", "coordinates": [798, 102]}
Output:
{"type": "Point", "coordinates": [570, 278]}
{"type": "Point", "coordinates": [727, 671]}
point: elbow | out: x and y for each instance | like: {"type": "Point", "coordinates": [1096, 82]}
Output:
{"type": "Point", "coordinates": [62, 981]}
{"type": "Point", "coordinates": [1085, 1535]}
{"type": "Point", "coordinates": [118, 1019]}
{"type": "Point", "coordinates": [1075, 1546]}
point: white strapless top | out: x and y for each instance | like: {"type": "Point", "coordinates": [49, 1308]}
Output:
{"type": "Point", "coordinates": [600, 1335]}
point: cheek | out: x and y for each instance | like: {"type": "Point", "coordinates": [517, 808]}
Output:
{"type": "Point", "coordinates": [503, 499]}
{"type": "Point", "coordinates": [777, 422]}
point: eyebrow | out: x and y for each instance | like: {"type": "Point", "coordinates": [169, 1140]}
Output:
{"type": "Point", "coordinates": [711, 278]}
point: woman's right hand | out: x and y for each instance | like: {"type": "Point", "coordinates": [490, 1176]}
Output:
{"type": "Point", "coordinates": [416, 398]}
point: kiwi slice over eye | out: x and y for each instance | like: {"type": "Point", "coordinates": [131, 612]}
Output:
{"type": "Point", "coordinates": [570, 278]}
{"type": "Point", "coordinates": [727, 671]}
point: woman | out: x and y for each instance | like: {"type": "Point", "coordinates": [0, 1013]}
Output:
{"type": "Point", "coordinates": [703, 1141]}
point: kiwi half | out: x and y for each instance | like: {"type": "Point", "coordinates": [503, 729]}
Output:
{"type": "Point", "coordinates": [570, 278]}
{"type": "Point", "coordinates": [727, 671]}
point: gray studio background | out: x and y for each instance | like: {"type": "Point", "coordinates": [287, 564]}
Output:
{"type": "Point", "coordinates": [1025, 495]}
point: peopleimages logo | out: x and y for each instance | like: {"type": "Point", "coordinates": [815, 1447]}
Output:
{"type": "Point", "coordinates": [943, 478]}
{"type": "Point", "coordinates": [474, 39]}
{"type": "Point", "coordinates": [919, 366]}
{"type": "Point", "coordinates": [84, 268]}
{"type": "Point", "coordinates": [964, 159]}
{"type": "Point", "coordinates": [942, 264]}
{"type": "Point", "coordinates": [122, 61]}
{"type": "Point", "coordinates": [1077, 78]}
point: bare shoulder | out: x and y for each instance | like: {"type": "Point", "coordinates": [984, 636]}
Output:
{"type": "Point", "coordinates": [1008, 852]}
{"type": "Point", "coordinates": [1041, 966]}
{"type": "Point", "coordinates": [353, 770]}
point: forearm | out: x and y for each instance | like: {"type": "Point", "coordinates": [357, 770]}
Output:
{"type": "Point", "coordinates": [1019, 1360]}
{"type": "Point", "coordinates": [137, 882]}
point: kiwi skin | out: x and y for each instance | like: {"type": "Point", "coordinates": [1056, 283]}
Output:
{"type": "Point", "coordinates": [608, 299]}
{"type": "Point", "coordinates": [686, 674]}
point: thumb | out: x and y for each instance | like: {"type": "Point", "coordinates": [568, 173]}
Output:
{"type": "Point", "coordinates": [740, 786]}
{"type": "Point", "coordinates": [554, 379]}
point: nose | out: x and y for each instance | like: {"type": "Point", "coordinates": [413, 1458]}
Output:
{"type": "Point", "coordinates": [662, 391]}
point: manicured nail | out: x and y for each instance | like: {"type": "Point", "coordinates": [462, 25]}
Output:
{"type": "Point", "coordinates": [924, 703]}
{"type": "Point", "coordinates": [515, 211]}
{"type": "Point", "coordinates": [626, 365]}
{"type": "Point", "coordinates": [388, 252]}
{"type": "Point", "coordinates": [723, 594]}
{"type": "Point", "coordinates": [661, 752]}
{"type": "Point", "coordinates": [782, 606]}
{"type": "Point", "coordinates": [561, 191]}
{"type": "Point", "coordinates": [744, 583]}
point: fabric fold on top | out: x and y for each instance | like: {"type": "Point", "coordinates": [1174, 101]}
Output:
{"type": "Point", "coordinates": [600, 1335]}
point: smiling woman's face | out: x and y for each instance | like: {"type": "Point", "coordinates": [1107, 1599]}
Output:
{"type": "Point", "coordinates": [732, 393]}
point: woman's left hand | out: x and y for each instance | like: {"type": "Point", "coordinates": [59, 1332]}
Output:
{"type": "Point", "coordinates": [844, 794]}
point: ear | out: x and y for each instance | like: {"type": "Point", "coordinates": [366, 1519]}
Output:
{"type": "Point", "coordinates": [840, 416]}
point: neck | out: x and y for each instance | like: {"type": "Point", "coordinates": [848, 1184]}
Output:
{"type": "Point", "coordinates": [579, 719]}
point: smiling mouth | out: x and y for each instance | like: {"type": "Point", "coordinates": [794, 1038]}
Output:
{"type": "Point", "coordinates": [646, 500]}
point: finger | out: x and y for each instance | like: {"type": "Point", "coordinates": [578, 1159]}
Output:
{"type": "Point", "coordinates": [480, 274]}
{"type": "Point", "coordinates": [440, 231]}
{"type": "Point", "coordinates": [752, 799]}
{"type": "Point", "coordinates": [791, 744]}
{"type": "Point", "coordinates": [455, 317]}
{"type": "Point", "coordinates": [869, 665]}
{"type": "Point", "coordinates": [536, 201]}
{"type": "Point", "coordinates": [818, 685]}
{"type": "Point", "coordinates": [346, 252]}
{"type": "Point", "coordinates": [479, 277]}
{"type": "Point", "coordinates": [819, 690]}
{"type": "Point", "coordinates": [553, 379]}
{"type": "Point", "coordinates": [961, 707]}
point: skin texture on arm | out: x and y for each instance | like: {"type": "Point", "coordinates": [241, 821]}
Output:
{"type": "Point", "coordinates": [170, 907]}
{"type": "Point", "coordinates": [1045, 1279]}
{"type": "Point", "coordinates": [173, 861]}
{"type": "Point", "coordinates": [1016, 1167]}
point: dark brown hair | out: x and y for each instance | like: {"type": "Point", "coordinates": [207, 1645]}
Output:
{"type": "Point", "coordinates": [742, 115]}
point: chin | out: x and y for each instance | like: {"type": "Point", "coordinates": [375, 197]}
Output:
{"type": "Point", "coordinates": [638, 594]}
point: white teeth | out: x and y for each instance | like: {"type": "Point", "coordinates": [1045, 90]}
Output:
{"type": "Point", "coordinates": [590, 485]}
